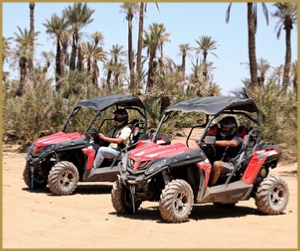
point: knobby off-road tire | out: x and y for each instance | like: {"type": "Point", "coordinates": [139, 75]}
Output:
{"type": "Point", "coordinates": [121, 199]}
{"type": "Point", "coordinates": [272, 195]}
{"type": "Point", "coordinates": [39, 182]}
{"type": "Point", "coordinates": [63, 178]}
{"type": "Point", "coordinates": [176, 201]}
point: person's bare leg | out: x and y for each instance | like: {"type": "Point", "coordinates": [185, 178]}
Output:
{"type": "Point", "coordinates": [218, 166]}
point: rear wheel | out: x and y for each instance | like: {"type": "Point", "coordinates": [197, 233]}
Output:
{"type": "Point", "coordinates": [272, 195]}
{"type": "Point", "coordinates": [121, 199]}
{"type": "Point", "coordinates": [38, 182]}
{"type": "Point", "coordinates": [176, 201]}
{"type": "Point", "coordinates": [63, 178]}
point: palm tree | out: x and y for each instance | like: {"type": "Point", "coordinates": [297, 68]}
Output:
{"type": "Point", "coordinates": [205, 45]}
{"type": "Point", "coordinates": [48, 58]}
{"type": "Point", "coordinates": [98, 39]}
{"type": "Point", "coordinates": [116, 53]}
{"type": "Point", "coordinates": [184, 48]}
{"type": "Point", "coordinates": [130, 9]}
{"type": "Point", "coordinates": [79, 16]}
{"type": "Point", "coordinates": [278, 72]}
{"type": "Point", "coordinates": [152, 41]}
{"type": "Point", "coordinates": [163, 38]}
{"type": "Point", "coordinates": [119, 70]}
{"type": "Point", "coordinates": [23, 52]}
{"type": "Point", "coordinates": [262, 66]}
{"type": "Point", "coordinates": [287, 14]}
{"type": "Point", "coordinates": [143, 8]}
{"type": "Point", "coordinates": [206, 68]}
{"type": "Point", "coordinates": [91, 54]}
{"type": "Point", "coordinates": [31, 15]}
{"type": "Point", "coordinates": [5, 49]}
{"type": "Point", "coordinates": [5, 54]}
{"type": "Point", "coordinates": [252, 26]}
{"type": "Point", "coordinates": [57, 28]}
{"type": "Point", "coordinates": [109, 67]}
{"type": "Point", "coordinates": [201, 78]}
{"type": "Point", "coordinates": [294, 75]}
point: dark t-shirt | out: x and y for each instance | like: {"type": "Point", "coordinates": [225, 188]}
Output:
{"type": "Point", "coordinates": [231, 152]}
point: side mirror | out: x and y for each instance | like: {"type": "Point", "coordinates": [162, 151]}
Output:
{"type": "Point", "coordinates": [210, 140]}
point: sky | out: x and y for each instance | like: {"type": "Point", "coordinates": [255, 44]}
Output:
{"type": "Point", "coordinates": [186, 22]}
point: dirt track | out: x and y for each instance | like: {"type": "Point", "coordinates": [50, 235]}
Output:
{"type": "Point", "coordinates": [88, 220]}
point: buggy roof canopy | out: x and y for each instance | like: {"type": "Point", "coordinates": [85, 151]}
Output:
{"type": "Point", "coordinates": [103, 102]}
{"type": "Point", "coordinates": [215, 105]}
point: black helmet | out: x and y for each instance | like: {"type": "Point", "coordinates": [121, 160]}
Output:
{"type": "Point", "coordinates": [231, 124]}
{"type": "Point", "coordinates": [121, 117]}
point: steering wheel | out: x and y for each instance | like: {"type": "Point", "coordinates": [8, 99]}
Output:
{"type": "Point", "coordinates": [209, 150]}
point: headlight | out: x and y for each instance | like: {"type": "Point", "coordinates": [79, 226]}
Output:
{"type": "Point", "coordinates": [156, 165]}
{"type": "Point", "coordinates": [46, 150]}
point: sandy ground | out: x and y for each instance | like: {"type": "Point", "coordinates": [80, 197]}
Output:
{"type": "Point", "coordinates": [87, 219]}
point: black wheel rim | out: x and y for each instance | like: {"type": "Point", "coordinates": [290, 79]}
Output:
{"type": "Point", "coordinates": [66, 179]}
{"type": "Point", "coordinates": [181, 202]}
{"type": "Point", "coordinates": [277, 196]}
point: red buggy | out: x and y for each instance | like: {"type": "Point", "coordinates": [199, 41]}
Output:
{"type": "Point", "coordinates": [177, 175]}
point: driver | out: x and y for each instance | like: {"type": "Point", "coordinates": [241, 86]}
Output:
{"type": "Point", "coordinates": [120, 138]}
{"type": "Point", "coordinates": [228, 145]}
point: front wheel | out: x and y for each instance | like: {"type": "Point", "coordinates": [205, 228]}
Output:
{"type": "Point", "coordinates": [121, 199]}
{"type": "Point", "coordinates": [272, 195]}
{"type": "Point", "coordinates": [35, 182]}
{"type": "Point", "coordinates": [176, 201]}
{"type": "Point", "coordinates": [63, 178]}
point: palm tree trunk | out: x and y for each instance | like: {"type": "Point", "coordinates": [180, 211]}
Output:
{"type": "Point", "coordinates": [251, 45]}
{"type": "Point", "coordinates": [150, 79]}
{"type": "Point", "coordinates": [130, 52]}
{"type": "Point", "coordinates": [95, 73]}
{"type": "Point", "coordinates": [183, 68]}
{"type": "Point", "coordinates": [23, 73]}
{"type": "Point", "coordinates": [288, 56]}
{"type": "Point", "coordinates": [30, 61]}
{"type": "Point", "coordinates": [108, 79]}
{"type": "Point", "coordinates": [57, 65]}
{"type": "Point", "coordinates": [73, 54]}
{"type": "Point", "coordinates": [295, 83]}
{"type": "Point", "coordinates": [116, 80]}
{"type": "Point", "coordinates": [140, 37]}
{"type": "Point", "coordinates": [79, 59]}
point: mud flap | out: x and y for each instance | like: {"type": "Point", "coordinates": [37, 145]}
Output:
{"type": "Point", "coordinates": [32, 177]}
{"type": "Point", "coordinates": [132, 190]}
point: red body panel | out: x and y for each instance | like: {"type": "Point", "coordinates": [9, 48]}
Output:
{"type": "Point", "coordinates": [206, 166]}
{"type": "Point", "coordinates": [255, 164]}
{"type": "Point", "coordinates": [90, 152]}
{"type": "Point", "coordinates": [151, 151]}
{"type": "Point", "coordinates": [55, 139]}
